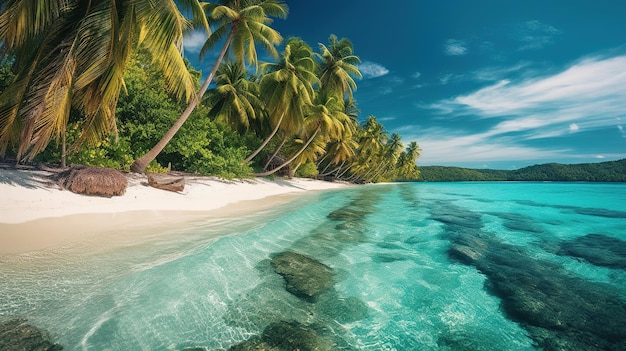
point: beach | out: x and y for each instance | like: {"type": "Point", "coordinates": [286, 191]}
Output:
{"type": "Point", "coordinates": [36, 214]}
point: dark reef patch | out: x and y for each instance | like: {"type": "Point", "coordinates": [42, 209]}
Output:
{"type": "Point", "coordinates": [304, 276]}
{"type": "Point", "coordinates": [455, 217]}
{"type": "Point", "coordinates": [597, 249]}
{"type": "Point", "coordinates": [18, 335]}
{"type": "Point", "coordinates": [518, 222]}
{"type": "Point", "coordinates": [589, 211]}
{"type": "Point", "coordinates": [561, 311]}
{"type": "Point", "coordinates": [288, 336]}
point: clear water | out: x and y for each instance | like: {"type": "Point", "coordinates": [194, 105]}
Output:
{"type": "Point", "coordinates": [211, 285]}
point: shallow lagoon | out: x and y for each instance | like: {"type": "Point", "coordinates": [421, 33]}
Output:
{"type": "Point", "coordinates": [443, 266]}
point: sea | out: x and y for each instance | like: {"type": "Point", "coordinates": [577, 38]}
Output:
{"type": "Point", "coordinates": [406, 266]}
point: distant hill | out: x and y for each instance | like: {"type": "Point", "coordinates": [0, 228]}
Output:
{"type": "Point", "coordinates": [612, 171]}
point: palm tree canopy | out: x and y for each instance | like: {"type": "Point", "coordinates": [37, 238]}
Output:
{"type": "Point", "coordinates": [235, 99]}
{"type": "Point", "coordinates": [287, 86]}
{"type": "Point", "coordinates": [72, 54]}
{"type": "Point", "coordinates": [249, 22]}
{"type": "Point", "coordinates": [338, 66]}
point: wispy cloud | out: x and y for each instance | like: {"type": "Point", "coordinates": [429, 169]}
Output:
{"type": "Point", "coordinates": [440, 147]}
{"type": "Point", "coordinates": [372, 69]}
{"type": "Point", "coordinates": [193, 41]}
{"type": "Point", "coordinates": [445, 79]}
{"type": "Point", "coordinates": [535, 35]}
{"type": "Point", "coordinates": [591, 87]}
{"type": "Point", "coordinates": [494, 74]}
{"type": "Point", "coordinates": [455, 47]}
{"type": "Point", "coordinates": [583, 97]}
{"type": "Point", "coordinates": [416, 75]}
{"type": "Point", "coordinates": [621, 130]}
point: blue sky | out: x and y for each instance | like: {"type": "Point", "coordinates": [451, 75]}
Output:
{"type": "Point", "coordinates": [484, 84]}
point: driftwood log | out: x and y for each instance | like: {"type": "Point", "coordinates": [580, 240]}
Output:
{"type": "Point", "coordinates": [166, 182]}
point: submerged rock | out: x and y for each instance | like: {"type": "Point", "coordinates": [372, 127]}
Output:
{"type": "Point", "coordinates": [560, 310]}
{"type": "Point", "coordinates": [304, 276]}
{"type": "Point", "coordinates": [287, 336]}
{"type": "Point", "coordinates": [342, 310]}
{"type": "Point", "coordinates": [348, 214]}
{"type": "Point", "coordinates": [597, 249]}
{"type": "Point", "coordinates": [18, 335]}
{"type": "Point", "coordinates": [518, 222]}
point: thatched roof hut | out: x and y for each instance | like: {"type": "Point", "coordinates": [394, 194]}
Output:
{"type": "Point", "coordinates": [106, 182]}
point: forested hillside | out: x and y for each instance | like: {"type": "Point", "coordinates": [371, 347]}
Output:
{"type": "Point", "coordinates": [612, 171]}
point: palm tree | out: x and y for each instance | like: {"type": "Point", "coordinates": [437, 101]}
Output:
{"type": "Point", "coordinates": [235, 99]}
{"type": "Point", "coordinates": [287, 89]}
{"type": "Point", "coordinates": [371, 138]}
{"type": "Point", "coordinates": [338, 66]}
{"type": "Point", "coordinates": [244, 23]}
{"type": "Point", "coordinates": [389, 158]}
{"type": "Point", "coordinates": [72, 54]}
{"type": "Point", "coordinates": [339, 151]}
{"type": "Point", "coordinates": [406, 166]}
{"type": "Point", "coordinates": [325, 119]}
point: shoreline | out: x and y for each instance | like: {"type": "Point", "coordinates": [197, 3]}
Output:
{"type": "Point", "coordinates": [36, 215]}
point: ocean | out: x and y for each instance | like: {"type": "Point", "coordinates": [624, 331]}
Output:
{"type": "Point", "coordinates": [410, 266]}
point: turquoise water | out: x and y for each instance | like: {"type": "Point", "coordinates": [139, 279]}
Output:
{"type": "Point", "coordinates": [416, 267]}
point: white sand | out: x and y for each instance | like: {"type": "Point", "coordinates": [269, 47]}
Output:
{"type": "Point", "coordinates": [36, 215]}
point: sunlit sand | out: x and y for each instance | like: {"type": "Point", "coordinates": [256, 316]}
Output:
{"type": "Point", "coordinates": [35, 214]}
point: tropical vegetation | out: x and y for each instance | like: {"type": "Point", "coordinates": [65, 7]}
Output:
{"type": "Point", "coordinates": [611, 171]}
{"type": "Point", "coordinates": [106, 83]}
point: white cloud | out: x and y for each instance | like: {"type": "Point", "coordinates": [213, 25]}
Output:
{"type": "Point", "coordinates": [440, 147]}
{"type": "Point", "coordinates": [386, 91]}
{"type": "Point", "coordinates": [417, 75]}
{"type": "Point", "coordinates": [535, 35]}
{"type": "Point", "coordinates": [495, 74]}
{"type": "Point", "coordinates": [581, 97]}
{"type": "Point", "coordinates": [454, 47]}
{"type": "Point", "coordinates": [194, 41]}
{"type": "Point", "coordinates": [445, 79]}
{"type": "Point", "coordinates": [590, 88]}
{"type": "Point", "coordinates": [372, 69]}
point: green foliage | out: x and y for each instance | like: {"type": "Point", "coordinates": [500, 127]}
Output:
{"type": "Point", "coordinates": [144, 114]}
{"type": "Point", "coordinates": [6, 73]}
{"type": "Point", "coordinates": [108, 152]}
{"type": "Point", "coordinates": [613, 171]}
{"type": "Point", "coordinates": [209, 148]}
{"type": "Point", "coordinates": [307, 170]}
{"type": "Point", "coordinates": [457, 174]}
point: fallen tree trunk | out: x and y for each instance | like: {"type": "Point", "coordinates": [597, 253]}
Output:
{"type": "Point", "coordinates": [165, 182]}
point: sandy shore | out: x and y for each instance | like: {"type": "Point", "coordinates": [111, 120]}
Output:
{"type": "Point", "coordinates": [37, 215]}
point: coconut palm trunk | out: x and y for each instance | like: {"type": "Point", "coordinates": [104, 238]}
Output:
{"type": "Point", "coordinates": [140, 165]}
{"type": "Point", "coordinates": [269, 160]}
{"type": "Point", "coordinates": [293, 157]}
{"type": "Point", "coordinates": [267, 140]}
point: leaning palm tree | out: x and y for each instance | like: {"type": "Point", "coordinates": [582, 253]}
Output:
{"type": "Point", "coordinates": [338, 153]}
{"type": "Point", "coordinates": [406, 166]}
{"type": "Point", "coordinates": [338, 66]}
{"type": "Point", "coordinates": [235, 99]}
{"type": "Point", "coordinates": [325, 119]}
{"type": "Point", "coordinates": [389, 158]}
{"type": "Point", "coordinates": [72, 54]}
{"type": "Point", "coordinates": [287, 89]}
{"type": "Point", "coordinates": [241, 25]}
